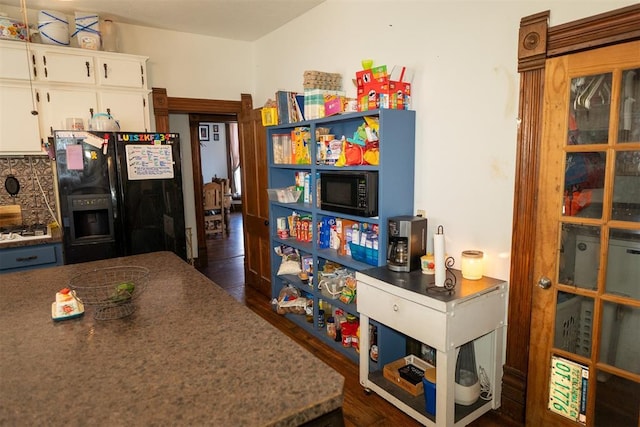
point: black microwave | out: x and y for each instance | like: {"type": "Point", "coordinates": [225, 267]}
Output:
{"type": "Point", "coordinates": [350, 192]}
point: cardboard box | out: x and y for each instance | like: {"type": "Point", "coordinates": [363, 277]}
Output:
{"type": "Point", "coordinates": [314, 102]}
{"type": "Point", "coordinates": [391, 372]}
{"type": "Point", "coordinates": [269, 116]}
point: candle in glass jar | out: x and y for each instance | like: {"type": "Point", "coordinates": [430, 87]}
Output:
{"type": "Point", "coordinates": [472, 265]}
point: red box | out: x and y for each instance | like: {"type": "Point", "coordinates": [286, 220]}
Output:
{"type": "Point", "coordinates": [376, 74]}
{"type": "Point", "coordinates": [369, 95]}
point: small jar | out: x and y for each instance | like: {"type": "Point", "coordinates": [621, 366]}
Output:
{"type": "Point", "coordinates": [472, 265]}
{"type": "Point", "coordinates": [428, 264]}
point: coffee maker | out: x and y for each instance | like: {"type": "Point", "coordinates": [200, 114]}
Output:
{"type": "Point", "coordinates": [407, 242]}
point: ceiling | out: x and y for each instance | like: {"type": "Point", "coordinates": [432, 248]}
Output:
{"type": "Point", "coordinates": [246, 20]}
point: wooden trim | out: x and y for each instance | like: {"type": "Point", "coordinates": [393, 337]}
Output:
{"type": "Point", "coordinates": [617, 26]}
{"type": "Point", "coordinates": [196, 108]}
{"type": "Point", "coordinates": [537, 42]}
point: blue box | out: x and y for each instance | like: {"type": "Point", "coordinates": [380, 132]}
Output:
{"type": "Point", "coordinates": [429, 396]}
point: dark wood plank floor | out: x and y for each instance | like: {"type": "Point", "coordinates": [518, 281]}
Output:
{"type": "Point", "coordinates": [226, 268]}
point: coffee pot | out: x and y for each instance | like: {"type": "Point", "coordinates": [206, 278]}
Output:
{"type": "Point", "coordinates": [397, 251]}
{"type": "Point", "coordinates": [406, 242]}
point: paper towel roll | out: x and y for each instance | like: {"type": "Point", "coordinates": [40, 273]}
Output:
{"type": "Point", "coordinates": [438, 257]}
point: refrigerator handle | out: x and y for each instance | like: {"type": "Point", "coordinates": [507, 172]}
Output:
{"type": "Point", "coordinates": [112, 186]}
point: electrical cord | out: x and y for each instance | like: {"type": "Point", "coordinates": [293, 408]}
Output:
{"type": "Point", "coordinates": [44, 196]}
{"type": "Point", "coordinates": [485, 385]}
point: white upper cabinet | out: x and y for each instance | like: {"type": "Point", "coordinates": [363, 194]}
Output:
{"type": "Point", "coordinates": [63, 67]}
{"type": "Point", "coordinates": [121, 72]}
{"type": "Point", "coordinates": [19, 126]}
{"type": "Point", "coordinates": [56, 104]}
{"type": "Point", "coordinates": [64, 82]}
{"type": "Point", "coordinates": [14, 61]}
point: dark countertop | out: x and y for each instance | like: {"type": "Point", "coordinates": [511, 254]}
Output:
{"type": "Point", "coordinates": [189, 355]}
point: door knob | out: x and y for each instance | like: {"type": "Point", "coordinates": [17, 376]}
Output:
{"type": "Point", "coordinates": [266, 222]}
{"type": "Point", "coordinates": [544, 282]}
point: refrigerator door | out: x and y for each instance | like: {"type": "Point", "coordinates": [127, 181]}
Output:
{"type": "Point", "coordinates": [152, 208]}
{"type": "Point", "coordinates": [88, 198]}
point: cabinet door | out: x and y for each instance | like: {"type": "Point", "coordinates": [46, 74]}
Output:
{"type": "Point", "coordinates": [65, 68]}
{"type": "Point", "coordinates": [129, 109]}
{"type": "Point", "coordinates": [14, 62]}
{"type": "Point", "coordinates": [56, 105]}
{"type": "Point", "coordinates": [125, 72]}
{"type": "Point", "coordinates": [19, 131]}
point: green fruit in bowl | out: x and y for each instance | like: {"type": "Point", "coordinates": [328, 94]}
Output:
{"type": "Point", "coordinates": [123, 292]}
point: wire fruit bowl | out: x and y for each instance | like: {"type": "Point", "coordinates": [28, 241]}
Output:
{"type": "Point", "coordinates": [110, 290]}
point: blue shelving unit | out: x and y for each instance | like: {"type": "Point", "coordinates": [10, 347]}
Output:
{"type": "Point", "coordinates": [395, 197]}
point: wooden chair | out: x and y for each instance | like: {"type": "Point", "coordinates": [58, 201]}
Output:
{"type": "Point", "coordinates": [214, 215]}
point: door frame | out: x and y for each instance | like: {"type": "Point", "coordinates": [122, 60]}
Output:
{"type": "Point", "coordinates": [164, 105]}
{"type": "Point", "coordinates": [537, 42]}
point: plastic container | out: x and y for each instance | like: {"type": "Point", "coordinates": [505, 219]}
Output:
{"type": "Point", "coordinates": [53, 27]}
{"type": "Point", "coordinates": [109, 35]}
{"type": "Point", "coordinates": [429, 385]}
{"type": "Point", "coordinates": [364, 254]}
{"type": "Point", "coordinates": [284, 195]}
{"type": "Point", "coordinates": [103, 122]}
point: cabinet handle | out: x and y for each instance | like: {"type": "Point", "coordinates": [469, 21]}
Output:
{"type": "Point", "coordinates": [266, 222]}
{"type": "Point", "coordinates": [27, 258]}
{"type": "Point", "coordinates": [395, 307]}
{"type": "Point", "coordinates": [633, 252]}
{"type": "Point", "coordinates": [33, 61]}
{"type": "Point", "coordinates": [88, 69]}
{"type": "Point", "coordinates": [105, 70]}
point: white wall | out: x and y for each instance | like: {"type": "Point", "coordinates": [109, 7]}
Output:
{"type": "Point", "coordinates": [465, 93]}
{"type": "Point", "coordinates": [465, 90]}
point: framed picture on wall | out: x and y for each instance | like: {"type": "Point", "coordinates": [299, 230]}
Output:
{"type": "Point", "coordinates": [215, 128]}
{"type": "Point", "coordinates": [204, 133]}
{"type": "Point", "coordinates": [216, 137]}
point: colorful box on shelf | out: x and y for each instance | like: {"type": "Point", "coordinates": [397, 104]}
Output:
{"type": "Point", "coordinates": [314, 102]}
{"type": "Point", "coordinates": [269, 116]}
{"type": "Point", "coordinates": [377, 89]}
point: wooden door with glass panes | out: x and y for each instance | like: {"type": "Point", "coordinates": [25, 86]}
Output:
{"type": "Point", "coordinates": [584, 363]}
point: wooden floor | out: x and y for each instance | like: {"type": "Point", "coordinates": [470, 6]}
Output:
{"type": "Point", "coordinates": [226, 268]}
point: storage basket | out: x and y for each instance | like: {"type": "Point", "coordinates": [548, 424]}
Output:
{"type": "Point", "coordinates": [415, 366]}
{"type": "Point", "coordinates": [284, 195]}
{"type": "Point", "coordinates": [111, 291]}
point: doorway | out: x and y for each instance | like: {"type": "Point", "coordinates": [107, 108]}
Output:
{"type": "Point", "coordinates": [198, 110]}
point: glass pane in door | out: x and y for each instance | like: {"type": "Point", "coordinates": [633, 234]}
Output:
{"type": "Point", "coordinates": [579, 256]}
{"type": "Point", "coordinates": [589, 109]}
{"type": "Point", "coordinates": [617, 402]}
{"type": "Point", "coordinates": [626, 187]}
{"type": "Point", "coordinates": [574, 323]}
{"type": "Point", "coordinates": [619, 343]}
{"type": "Point", "coordinates": [584, 184]}
{"type": "Point", "coordinates": [629, 122]}
{"type": "Point", "coordinates": [623, 264]}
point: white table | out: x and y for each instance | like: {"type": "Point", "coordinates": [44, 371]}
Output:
{"type": "Point", "coordinates": [475, 311]}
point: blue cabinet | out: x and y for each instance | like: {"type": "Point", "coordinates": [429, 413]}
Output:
{"type": "Point", "coordinates": [30, 257]}
{"type": "Point", "coordinates": [395, 194]}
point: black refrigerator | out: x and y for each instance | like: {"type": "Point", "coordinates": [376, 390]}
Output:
{"type": "Point", "coordinates": [120, 194]}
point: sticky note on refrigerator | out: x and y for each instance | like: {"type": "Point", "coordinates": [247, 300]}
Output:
{"type": "Point", "coordinates": [74, 157]}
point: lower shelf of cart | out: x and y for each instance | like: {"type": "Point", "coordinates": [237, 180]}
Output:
{"type": "Point", "coordinates": [321, 334]}
{"type": "Point", "coordinates": [417, 403]}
